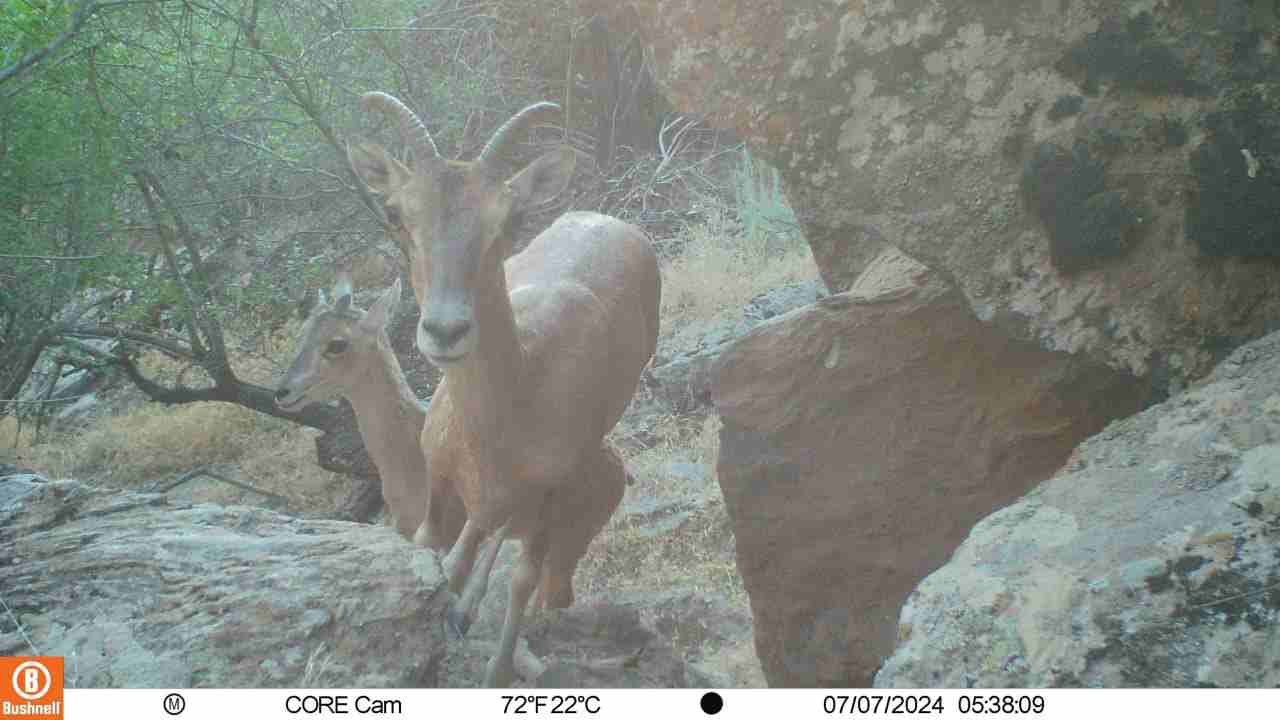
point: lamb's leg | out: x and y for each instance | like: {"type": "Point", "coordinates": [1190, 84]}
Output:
{"type": "Point", "coordinates": [402, 525]}
{"type": "Point", "coordinates": [442, 522]}
{"type": "Point", "coordinates": [462, 556]}
{"type": "Point", "coordinates": [423, 536]}
{"type": "Point", "coordinates": [501, 668]}
{"type": "Point", "coordinates": [461, 616]}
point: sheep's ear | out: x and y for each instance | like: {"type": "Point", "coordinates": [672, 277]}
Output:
{"type": "Point", "coordinates": [342, 290]}
{"type": "Point", "coordinates": [375, 166]}
{"type": "Point", "coordinates": [544, 178]}
{"type": "Point", "coordinates": [382, 311]}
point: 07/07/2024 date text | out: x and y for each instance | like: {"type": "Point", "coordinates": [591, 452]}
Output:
{"type": "Point", "coordinates": [976, 704]}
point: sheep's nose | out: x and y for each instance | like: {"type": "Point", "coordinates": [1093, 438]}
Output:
{"type": "Point", "coordinates": [446, 334]}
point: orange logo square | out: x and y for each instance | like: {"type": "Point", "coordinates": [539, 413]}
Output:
{"type": "Point", "coordinates": [30, 687]}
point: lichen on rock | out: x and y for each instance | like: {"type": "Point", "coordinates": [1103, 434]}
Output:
{"type": "Point", "coordinates": [1151, 560]}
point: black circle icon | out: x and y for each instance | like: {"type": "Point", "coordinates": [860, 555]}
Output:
{"type": "Point", "coordinates": [711, 703]}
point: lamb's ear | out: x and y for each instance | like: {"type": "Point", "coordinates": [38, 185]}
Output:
{"type": "Point", "coordinates": [375, 166]}
{"type": "Point", "coordinates": [382, 311]}
{"type": "Point", "coordinates": [544, 178]}
{"type": "Point", "coordinates": [342, 290]}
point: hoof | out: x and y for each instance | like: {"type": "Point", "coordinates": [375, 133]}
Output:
{"type": "Point", "coordinates": [457, 623]}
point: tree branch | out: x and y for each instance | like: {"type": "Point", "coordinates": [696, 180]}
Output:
{"type": "Point", "coordinates": [304, 100]}
{"type": "Point", "coordinates": [237, 392]}
{"type": "Point", "coordinates": [22, 369]}
{"type": "Point", "coordinates": [146, 186]}
{"type": "Point", "coordinates": [168, 347]}
{"type": "Point", "coordinates": [83, 12]}
{"type": "Point", "coordinates": [216, 362]}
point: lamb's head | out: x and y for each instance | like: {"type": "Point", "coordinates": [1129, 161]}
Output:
{"type": "Point", "coordinates": [338, 347]}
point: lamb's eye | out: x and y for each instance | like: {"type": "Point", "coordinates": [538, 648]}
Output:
{"type": "Point", "coordinates": [393, 216]}
{"type": "Point", "coordinates": [336, 347]}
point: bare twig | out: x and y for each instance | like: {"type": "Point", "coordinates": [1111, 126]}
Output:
{"type": "Point", "coordinates": [21, 630]}
{"type": "Point", "coordinates": [206, 472]}
{"type": "Point", "coordinates": [1233, 598]}
{"type": "Point", "coordinates": [168, 347]}
{"type": "Point", "coordinates": [44, 402]}
{"type": "Point", "coordinates": [51, 257]}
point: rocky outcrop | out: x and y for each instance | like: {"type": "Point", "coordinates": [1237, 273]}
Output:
{"type": "Point", "coordinates": [137, 592]}
{"type": "Point", "coordinates": [1152, 559]}
{"type": "Point", "coordinates": [863, 436]}
{"type": "Point", "coordinates": [1098, 177]}
{"type": "Point", "coordinates": [681, 374]}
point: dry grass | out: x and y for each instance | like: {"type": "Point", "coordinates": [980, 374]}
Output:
{"type": "Point", "coordinates": [155, 442]}
{"type": "Point", "coordinates": [719, 272]}
{"type": "Point", "coordinates": [698, 556]}
{"type": "Point", "coordinates": [151, 442]}
{"type": "Point", "coordinates": [680, 439]}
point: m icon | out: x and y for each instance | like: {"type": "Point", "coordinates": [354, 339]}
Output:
{"type": "Point", "coordinates": [174, 704]}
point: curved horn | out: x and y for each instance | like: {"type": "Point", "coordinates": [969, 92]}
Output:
{"type": "Point", "coordinates": [412, 131]}
{"type": "Point", "coordinates": [504, 136]}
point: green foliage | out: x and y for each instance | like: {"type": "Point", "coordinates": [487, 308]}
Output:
{"type": "Point", "coordinates": [186, 125]}
{"type": "Point", "coordinates": [25, 26]}
{"type": "Point", "coordinates": [761, 205]}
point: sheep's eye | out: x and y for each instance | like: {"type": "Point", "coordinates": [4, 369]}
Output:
{"type": "Point", "coordinates": [336, 347]}
{"type": "Point", "coordinates": [393, 216]}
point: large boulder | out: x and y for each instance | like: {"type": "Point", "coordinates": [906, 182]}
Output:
{"type": "Point", "coordinates": [1098, 177]}
{"type": "Point", "coordinates": [681, 374]}
{"type": "Point", "coordinates": [136, 591]}
{"type": "Point", "coordinates": [139, 590]}
{"type": "Point", "coordinates": [1152, 559]}
{"type": "Point", "coordinates": [863, 437]}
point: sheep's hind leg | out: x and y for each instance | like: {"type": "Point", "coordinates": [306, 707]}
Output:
{"type": "Point", "coordinates": [580, 510]}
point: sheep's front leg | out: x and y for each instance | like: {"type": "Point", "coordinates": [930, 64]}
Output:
{"type": "Point", "coordinates": [462, 556]}
{"type": "Point", "coordinates": [462, 615]}
{"type": "Point", "coordinates": [501, 668]}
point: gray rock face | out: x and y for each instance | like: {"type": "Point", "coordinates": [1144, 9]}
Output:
{"type": "Point", "coordinates": [1151, 559]}
{"type": "Point", "coordinates": [16, 484]}
{"type": "Point", "coordinates": [683, 381]}
{"type": "Point", "coordinates": [137, 592]}
{"type": "Point", "coordinates": [781, 300]}
{"type": "Point", "coordinates": [615, 649]}
{"type": "Point", "coordinates": [1088, 173]}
